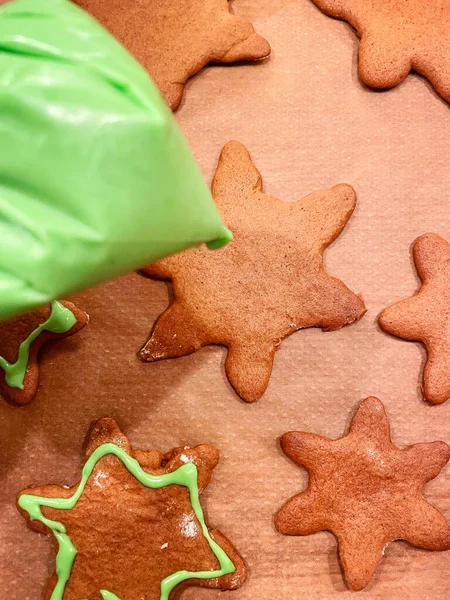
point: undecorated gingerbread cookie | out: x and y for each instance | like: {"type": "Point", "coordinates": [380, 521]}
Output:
{"type": "Point", "coordinates": [425, 317]}
{"type": "Point", "coordinates": [174, 40]}
{"type": "Point", "coordinates": [22, 337]}
{"type": "Point", "coordinates": [133, 527]}
{"type": "Point", "coordinates": [366, 491]}
{"type": "Point", "coordinates": [268, 283]}
{"type": "Point", "coordinates": [398, 36]}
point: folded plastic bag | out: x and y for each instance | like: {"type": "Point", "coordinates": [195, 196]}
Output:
{"type": "Point", "coordinates": [96, 179]}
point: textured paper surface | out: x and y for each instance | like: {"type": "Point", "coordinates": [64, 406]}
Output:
{"type": "Point", "coordinates": [308, 124]}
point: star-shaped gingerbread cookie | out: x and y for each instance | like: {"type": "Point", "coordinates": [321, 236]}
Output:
{"type": "Point", "coordinates": [21, 339]}
{"type": "Point", "coordinates": [266, 284]}
{"type": "Point", "coordinates": [425, 316]}
{"type": "Point", "coordinates": [174, 40]}
{"type": "Point", "coordinates": [398, 36]}
{"type": "Point", "coordinates": [133, 527]}
{"type": "Point", "coordinates": [366, 491]}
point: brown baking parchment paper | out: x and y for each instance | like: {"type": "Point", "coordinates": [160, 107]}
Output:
{"type": "Point", "coordinates": [308, 123]}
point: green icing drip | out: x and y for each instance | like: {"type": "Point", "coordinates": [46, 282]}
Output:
{"type": "Point", "coordinates": [61, 319]}
{"type": "Point", "coordinates": [186, 476]}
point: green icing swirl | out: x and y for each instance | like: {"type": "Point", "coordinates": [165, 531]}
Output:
{"type": "Point", "coordinates": [61, 319]}
{"type": "Point", "coordinates": [186, 475]}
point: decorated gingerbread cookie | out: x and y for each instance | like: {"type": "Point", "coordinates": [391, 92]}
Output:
{"type": "Point", "coordinates": [425, 316]}
{"type": "Point", "coordinates": [366, 491]}
{"type": "Point", "coordinates": [133, 527]}
{"type": "Point", "coordinates": [266, 284]}
{"type": "Point", "coordinates": [398, 36]}
{"type": "Point", "coordinates": [22, 337]}
{"type": "Point", "coordinates": [174, 40]}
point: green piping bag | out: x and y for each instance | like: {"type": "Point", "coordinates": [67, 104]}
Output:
{"type": "Point", "coordinates": [96, 178]}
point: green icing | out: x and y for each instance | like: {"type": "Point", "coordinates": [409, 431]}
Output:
{"type": "Point", "coordinates": [186, 476]}
{"type": "Point", "coordinates": [61, 319]}
{"type": "Point", "coordinates": [108, 595]}
{"type": "Point", "coordinates": [96, 178]}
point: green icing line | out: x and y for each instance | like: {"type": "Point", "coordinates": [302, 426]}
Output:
{"type": "Point", "coordinates": [186, 476]}
{"type": "Point", "coordinates": [61, 319]}
{"type": "Point", "coordinates": [108, 595]}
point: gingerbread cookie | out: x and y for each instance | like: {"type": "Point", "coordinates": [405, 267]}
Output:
{"type": "Point", "coordinates": [175, 41]}
{"type": "Point", "coordinates": [133, 527]}
{"type": "Point", "coordinates": [366, 491]}
{"type": "Point", "coordinates": [22, 337]}
{"type": "Point", "coordinates": [425, 316]}
{"type": "Point", "coordinates": [398, 36]}
{"type": "Point", "coordinates": [266, 284]}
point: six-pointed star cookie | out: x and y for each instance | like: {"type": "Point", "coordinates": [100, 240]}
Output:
{"type": "Point", "coordinates": [265, 285]}
{"type": "Point", "coordinates": [129, 537]}
{"type": "Point", "coordinates": [14, 333]}
{"type": "Point", "coordinates": [425, 317]}
{"type": "Point", "coordinates": [174, 40]}
{"type": "Point", "coordinates": [366, 491]}
{"type": "Point", "coordinates": [398, 36]}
